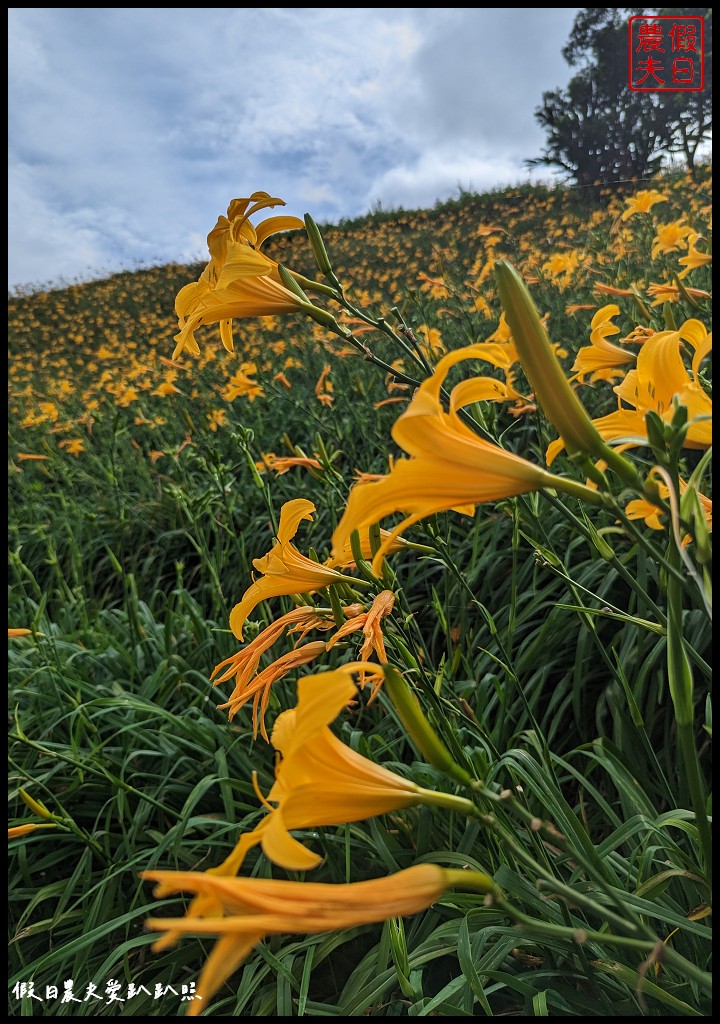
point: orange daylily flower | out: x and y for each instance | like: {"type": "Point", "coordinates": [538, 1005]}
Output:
{"type": "Point", "coordinates": [239, 281]}
{"type": "Point", "coordinates": [601, 359]}
{"type": "Point", "coordinates": [578, 307]}
{"type": "Point", "coordinates": [259, 689]}
{"type": "Point", "coordinates": [245, 289]}
{"type": "Point", "coordinates": [562, 266]}
{"type": "Point", "coordinates": [241, 385]}
{"type": "Point", "coordinates": [502, 332]}
{"type": "Point", "coordinates": [641, 508]}
{"type": "Point", "coordinates": [172, 365]}
{"type": "Point", "coordinates": [435, 285]}
{"type": "Point", "coordinates": [670, 237]}
{"type": "Point", "coordinates": [319, 780]}
{"type": "Point", "coordinates": [127, 397]}
{"type": "Point", "coordinates": [642, 202]}
{"type": "Point", "coordinates": [243, 666]}
{"type": "Point", "coordinates": [237, 227]}
{"type": "Point", "coordinates": [389, 401]}
{"type": "Point", "coordinates": [251, 684]}
{"type": "Point", "coordinates": [165, 389]}
{"type": "Point", "coordinates": [659, 377]}
{"type": "Point", "coordinates": [25, 457]}
{"type": "Point", "coordinates": [450, 467]}
{"type": "Point", "coordinates": [694, 257]}
{"type": "Point", "coordinates": [216, 418]}
{"type": "Point", "coordinates": [243, 911]}
{"type": "Point", "coordinates": [284, 569]}
{"type": "Point", "coordinates": [73, 446]}
{"type": "Point", "coordinates": [18, 631]}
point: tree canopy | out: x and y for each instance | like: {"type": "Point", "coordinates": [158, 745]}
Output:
{"type": "Point", "coordinates": [599, 130]}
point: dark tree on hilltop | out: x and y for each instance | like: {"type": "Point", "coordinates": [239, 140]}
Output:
{"type": "Point", "coordinates": [599, 130]}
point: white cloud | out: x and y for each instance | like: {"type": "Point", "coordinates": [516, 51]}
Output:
{"type": "Point", "coordinates": [131, 129]}
{"type": "Point", "coordinates": [440, 175]}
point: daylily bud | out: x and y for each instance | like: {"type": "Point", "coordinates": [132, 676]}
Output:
{"type": "Point", "coordinates": [601, 545]}
{"type": "Point", "coordinates": [325, 319]}
{"type": "Point", "coordinates": [547, 379]}
{"type": "Point", "coordinates": [419, 729]}
{"type": "Point", "coordinates": [35, 806]}
{"type": "Point", "coordinates": [320, 316]}
{"type": "Point", "coordinates": [291, 284]}
{"type": "Point", "coordinates": [318, 246]}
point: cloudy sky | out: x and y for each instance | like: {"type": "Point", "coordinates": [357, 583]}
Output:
{"type": "Point", "coordinates": [131, 129]}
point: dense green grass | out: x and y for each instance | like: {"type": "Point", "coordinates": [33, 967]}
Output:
{"type": "Point", "coordinates": [538, 654]}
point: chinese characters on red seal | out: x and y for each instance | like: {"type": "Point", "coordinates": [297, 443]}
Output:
{"type": "Point", "coordinates": [666, 53]}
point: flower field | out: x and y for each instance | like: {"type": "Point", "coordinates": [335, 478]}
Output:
{"type": "Point", "coordinates": [360, 617]}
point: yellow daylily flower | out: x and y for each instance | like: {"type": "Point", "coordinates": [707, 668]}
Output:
{"type": "Point", "coordinates": [244, 289]}
{"type": "Point", "coordinates": [236, 227]}
{"type": "Point", "coordinates": [320, 780]}
{"type": "Point", "coordinates": [642, 202]}
{"type": "Point", "coordinates": [450, 467]}
{"type": "Point", "coordinates": [284, 569]}
{"type": "Point", "coordinates": [601, 359]}
{"type": "Point", "coordinates": [241, 912]}
{"type": "Point", "coordinates": [561, 266]}
{"type": "Point", "coordinates": [694, 257]}
{"type": "Point", "coordinates": [241, 385]}
{"type": "Point", "coordinates": [239, 281]}
{"type": "Point", "coordinates": [641, 508]}
{"type": "Point", "coordinates": [659, 377]}
{"type": "Point", "coordinates": [670, 237]}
